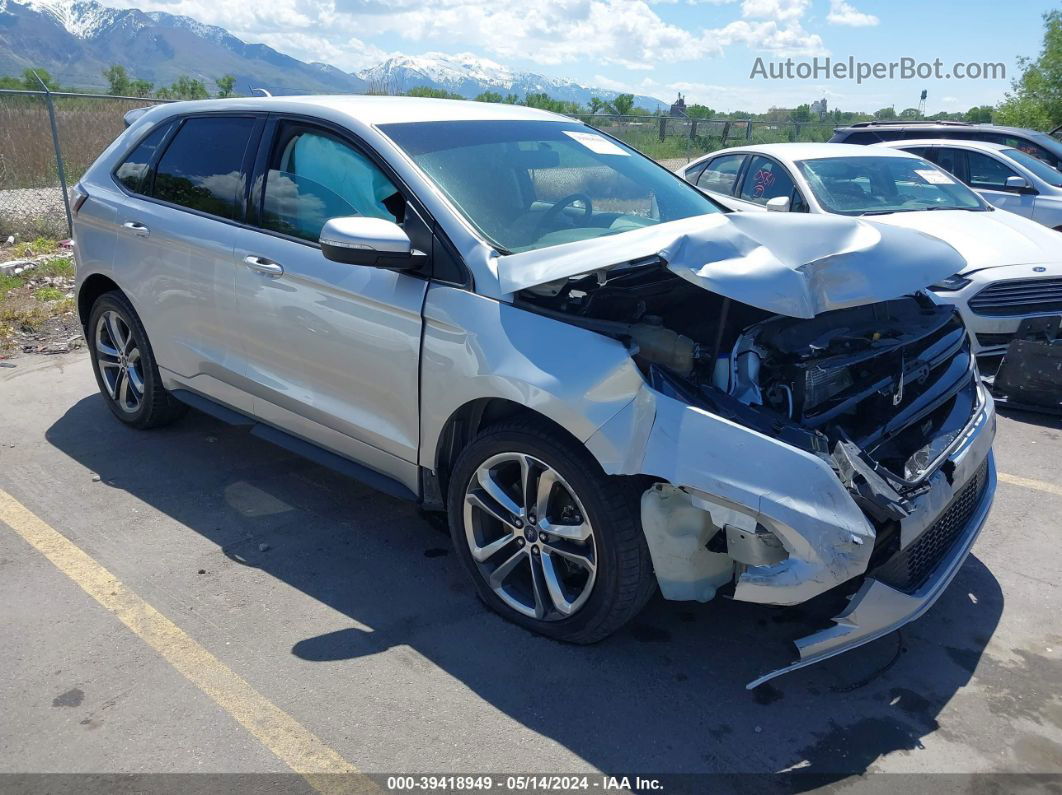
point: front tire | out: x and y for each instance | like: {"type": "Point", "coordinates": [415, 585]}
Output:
{"type": "Point", "coordinates": [125, 367]}
{"type": "Point", "coordinates": [551, 542]}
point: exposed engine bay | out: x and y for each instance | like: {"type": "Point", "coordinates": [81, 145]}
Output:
{"type": "Point", "coordinates": [880, 391]}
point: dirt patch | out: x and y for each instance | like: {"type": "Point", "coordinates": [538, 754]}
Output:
{"type": "Point", "coordinates": [37, 310]}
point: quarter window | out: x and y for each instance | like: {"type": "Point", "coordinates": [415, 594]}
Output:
{"type": "Point", "coordinates": [132, 171]}
{"type": "Point", "coordinates": [987, 172]}
{"type": "Point", "coordinates": [202, 168]}
{"type": "Point", "coordinates": [313, 176]}
{"type": "Point", "coordinates": [721, 174]}
{"type": "Point", "coordinates": [765, 179]}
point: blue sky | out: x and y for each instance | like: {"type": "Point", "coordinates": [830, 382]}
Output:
{"type": "Point", "coordinates": [706, 49]}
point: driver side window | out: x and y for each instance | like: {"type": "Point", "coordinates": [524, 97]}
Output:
{"type": "Point", "coordinates": [314, 176]}
{"type": "Point", "coordinates": [987, 172]}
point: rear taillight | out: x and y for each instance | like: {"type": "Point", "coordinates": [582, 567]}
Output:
{"type": "Point", "coordinates": [78, 195]}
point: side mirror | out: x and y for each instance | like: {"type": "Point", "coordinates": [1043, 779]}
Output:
{"type": "Point", "coordinates": [1017, 184]}
{"type": "Point", "coordinates": [779, 204]}
{"type": "Point", "coordinates": [361, 240]}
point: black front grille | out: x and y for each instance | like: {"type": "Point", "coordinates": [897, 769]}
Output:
{"type": "Point", "coordinates": [1019, 297]}
{"type": "Point", "coordinates": [909, 569]}
{"type": "Point", "coordinates": [991, 340]}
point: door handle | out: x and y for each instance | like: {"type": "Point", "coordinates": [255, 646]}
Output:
{"type": "Point", "coordinates": [137, 228]}
{"type": "Point", "coordinates": [263, 265]}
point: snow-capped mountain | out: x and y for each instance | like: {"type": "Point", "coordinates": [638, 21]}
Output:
{"type": "Point", "coordinates": [75, 40]}
{"type": "Point", "coordinates": [470, 75]}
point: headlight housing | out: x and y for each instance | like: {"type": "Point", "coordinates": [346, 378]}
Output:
{"type": "Point", "coordinates": [950, 284]}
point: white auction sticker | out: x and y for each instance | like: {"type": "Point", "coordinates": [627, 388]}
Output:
{"type": "Point", "coordinates": [934, 177]}
{"type": "Point", "coordinates": [596, 143]}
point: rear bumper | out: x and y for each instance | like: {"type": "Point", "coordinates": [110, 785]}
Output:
{"type": "Point", "coordinates": [878, 609]}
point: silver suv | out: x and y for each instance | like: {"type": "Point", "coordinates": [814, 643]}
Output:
{"type": "Point", "coordinates": [608, 385]}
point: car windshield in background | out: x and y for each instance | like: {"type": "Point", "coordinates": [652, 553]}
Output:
{"type": "Point", "coordinates": [881, 185]}
{"type": "Point", "coordinates": [1037, 166]}
{"type": "Point", "coordinates": [533, 184]}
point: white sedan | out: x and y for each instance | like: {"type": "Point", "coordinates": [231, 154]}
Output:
{"type": "Point", "coordinates": [1005, 176]}
{"type": "Point", "coordinates": [1014, 265]}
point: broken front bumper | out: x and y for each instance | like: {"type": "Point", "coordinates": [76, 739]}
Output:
{"type": "Point", "coordinates": [904, 587]}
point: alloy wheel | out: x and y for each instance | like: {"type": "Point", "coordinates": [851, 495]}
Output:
{"type": "Point", "coordinates": [529, 536]}
{"type": "Point", "coordinates": [119, 361]}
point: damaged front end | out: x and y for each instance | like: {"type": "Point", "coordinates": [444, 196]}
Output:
{"type": "Point", "coordinates": [793, 454]}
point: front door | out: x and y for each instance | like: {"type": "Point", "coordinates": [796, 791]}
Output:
{"type": "Point", "coordinates": [332, 351]}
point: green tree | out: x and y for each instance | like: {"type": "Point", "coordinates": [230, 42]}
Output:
{"type": "Point", "coordinates": [696, 111]}
{"type": "Point", "coordinates": [622, 104]}
{"type": "Point", "coordinates": [225, 85]}
{"type": "Point", "coordinates": [432, 93]}
{"type": "Point", "coordinates": [909, 113]}
{"type": "Point", "coordinates": [118, 82]}
{"type": "Point", "coordinates": [982, 114]}
{"type": "Point", "coordinates": [1036, 96]}
{"type": "Point", "coordinates": [140, 88]}
{"type": "Point", "coordinates": [184, 87]}
{"type": "Point", "coordinates": [801, 113]}
{"type": "Point", "coordinates": [30, 82]}
{"type": "Point", "coordinates": [490, 96]}
{"type": "Point", "coordinates": [597, 105]}
{"type": "Point", "coordinates": [885, 113]}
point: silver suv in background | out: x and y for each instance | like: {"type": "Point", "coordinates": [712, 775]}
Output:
{"type": "Point", "coordinates": [608, 385]}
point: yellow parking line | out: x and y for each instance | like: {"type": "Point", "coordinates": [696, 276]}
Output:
{"type": "Point", "coordinates": [294, 744]}
{"type": "Point", "coordinates": [1029, 483]}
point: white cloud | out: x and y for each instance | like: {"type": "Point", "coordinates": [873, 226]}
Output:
{"type": "Point", "coordinates": [844, 13]}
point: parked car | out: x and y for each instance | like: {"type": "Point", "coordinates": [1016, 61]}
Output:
{"type": "Point", "coordinates": [1007, 177]}
{"type": "Point", "coordinates": [1038, 144]}
{"type": "Point", "coordinates": [1013, 265]}
{"type": "Point", "coordinates": [606, 383]}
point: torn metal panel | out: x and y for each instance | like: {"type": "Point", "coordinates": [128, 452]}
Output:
{"type": "Point", "coordinates": [795, 266]}
{"type": "Point", "coordinates": [877, 609]}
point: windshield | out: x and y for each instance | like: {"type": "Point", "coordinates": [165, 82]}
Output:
{"type": "Point", "coordinates": [531, 184]}
{"type": "Point", "coordinates": [1037, 166]}
{"type": "Point", "coordinates": [880, 185]}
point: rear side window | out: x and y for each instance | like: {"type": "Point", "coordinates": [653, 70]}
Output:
{"type": "Point", "coordinates": [202, 168]}
{"type": "Point", "coordinates": [721, 174]}
{"type": "Point", "coordinates": [133, 169]}
{"type": "Point", "coordinates": [864, 138]}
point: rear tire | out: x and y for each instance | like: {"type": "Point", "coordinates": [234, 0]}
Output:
{"type": "Point", "coordinates": [577, 573]}
{"type": "Point", "coordinates": [125, 367]}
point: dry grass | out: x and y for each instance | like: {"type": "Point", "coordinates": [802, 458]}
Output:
{"type": "Point", "coordinates": [36, 308]}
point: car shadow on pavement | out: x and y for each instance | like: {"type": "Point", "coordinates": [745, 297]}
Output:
{"type": "Point", "coordinates": [664, 695]}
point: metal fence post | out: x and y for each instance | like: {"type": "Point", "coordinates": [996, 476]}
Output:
{"type": "Point", "coordinates": [58, 154]}
{"type": "Point", "coordinates": [663, 128]}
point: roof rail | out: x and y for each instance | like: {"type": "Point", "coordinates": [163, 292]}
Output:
{"type": "Point", "coordinates": [905, 122]}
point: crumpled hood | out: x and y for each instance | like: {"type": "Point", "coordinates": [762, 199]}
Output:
{"type": "Point", "coordinates": [797, 265]}
{"type": "Point", "coordinates": [985, 240]}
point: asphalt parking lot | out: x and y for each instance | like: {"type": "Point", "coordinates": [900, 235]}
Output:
{"type": "Point", "coordinates": [238, 609]}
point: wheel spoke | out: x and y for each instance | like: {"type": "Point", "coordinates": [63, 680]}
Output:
{"type": "Point", "coordinates": [497, 493]}
{"type": "Point", "coordinates": [565, 551]}
{"type": "Point", "coordinates": [105, 349]}
{"type": "Point", "coordinates": [114, 328]}
{"type": "Point", "coordinates": [488, 506]}
{"type": "Point", "coordinates": [486, 552]}
{"type": "Point", "coordinates": [498, 576]}
{"type": "Point", "coordinates": [539, 587]}
{"type": "Point", "coordinates": [553, 585]}
{"type": "Point", "coordinates": [546, 480]}
{"type": "Point", "coordinates": [135, 381]}
{"type": "Point", "coordinates": [569, 532]}
{"type": "Point", "coordinates": [121, 386]}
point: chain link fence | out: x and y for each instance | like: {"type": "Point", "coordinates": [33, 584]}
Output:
{"type": "Point", "coordinates": [675, 141]}
{"type": "Point", "coordinates": [31, 190]}
{"type": "Point", "coordinates": [31, 148]}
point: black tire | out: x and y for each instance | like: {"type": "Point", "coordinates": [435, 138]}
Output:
{"type": "Point", "coordinates": [624, 578]}
{"type": "Point", "coordinates": [156, 406]}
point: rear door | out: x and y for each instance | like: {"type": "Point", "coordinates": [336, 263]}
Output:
{"type": "Point", "coordinates": [763, 179]}
{"type": "Point", "coordinates": [987, 174]}
{"type": "Point", "coordinates": [332, 350]}
{"type": "Point", "coordinates": [177, 230]}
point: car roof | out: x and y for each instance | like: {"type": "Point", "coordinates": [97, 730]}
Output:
{"type": "Point", "coordinates": [987, 146]}
{"type": "Point", "coordinates": [929, 125]}
{"type": "Point", "coordinates": [370, 109]}
{"type": "Point", "coordinates": [808, 151]}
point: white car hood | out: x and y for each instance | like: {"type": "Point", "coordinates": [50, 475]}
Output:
{"type": "Point", "coordinates": [797, 265]}
{"type": "Point", "coordinates": [985, 240]}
